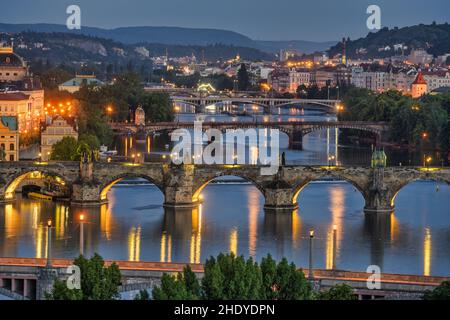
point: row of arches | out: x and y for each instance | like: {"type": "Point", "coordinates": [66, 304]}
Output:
{"type": "Point", "coordinates": [105, 187]}
{"type": "Point", "coordinates": [315, 105]}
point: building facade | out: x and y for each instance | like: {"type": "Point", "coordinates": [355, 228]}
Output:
{"type": "Point", "coordinates": [55, 131]}
{"type": "Point", "coordinates": [21, 94]}
{"type": "Point", "coordinates": [9, 139]}
{"type": "Point", "coordinates": [419, 87]}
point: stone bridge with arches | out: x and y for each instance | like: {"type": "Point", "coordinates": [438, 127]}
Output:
{"type": "Point", "coordinates": [295, 130]}
{"type": "Point", "coordinates": [200, 103]}
{"type": "Point", "coordinates": [181, 185]}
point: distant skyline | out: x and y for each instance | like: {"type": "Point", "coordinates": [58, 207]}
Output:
{"type": "Point", "coordinates": [320, 20]}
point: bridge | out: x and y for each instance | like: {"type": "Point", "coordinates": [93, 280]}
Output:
{"type": "Point", "coordinates": [88, 182]}
{"type": "Point", "coordinates": [200, 103]}
{"type": "Point", "coordinates": [294, 129]}
{"type": "Point", "coordinates": [30, 279]}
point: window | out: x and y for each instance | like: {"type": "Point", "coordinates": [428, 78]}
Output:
{"type": "Point", "coordinates": [11, 146]}
{"type": "Point", "coordinates": [2, 146]}
{"type": "Point", "coordinates": [11, 157]}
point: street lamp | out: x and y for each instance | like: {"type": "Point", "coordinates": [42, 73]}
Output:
{"type": "Point", "coordinates": [311, 237]}
{"type": "Point", "coordinates": [333, 266]}
{"type": "Point", "coordinates": [426, 160]}
{"type": "Point", "coordinates": [81, 234]}
{"type": "Point", "coordinates": [49, 243]}
{"type": "Point", "coordinates": [330, 158]}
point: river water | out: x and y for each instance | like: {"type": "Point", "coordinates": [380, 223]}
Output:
{"type": "Point", "coordinates": [135, 226]}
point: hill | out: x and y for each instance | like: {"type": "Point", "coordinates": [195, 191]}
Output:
{"type": "Point", "coordinates": [70, 47]}
{"type": "Point", "coordinates": [435, 38]}
{"type": "Point", "coordinates": [173, 36]}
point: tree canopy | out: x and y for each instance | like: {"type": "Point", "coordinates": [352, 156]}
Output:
{"type": "Point", "coordinates": [98, 282]}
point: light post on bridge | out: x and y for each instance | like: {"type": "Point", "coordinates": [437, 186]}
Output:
{"type": "Point", "coordinates": [333, 266]}
{"type": "Point", "coordinates": [49, 243]}
{"type": "Point", "coordinates": [310, 273]}
{"type": "Point", "coordinates": [330, 158]}
{"type": "Point", "coordinates": [81, 234]}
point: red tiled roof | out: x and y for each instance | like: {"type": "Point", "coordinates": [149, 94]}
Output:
{"type": "Point", "coordinates": [419, 79]}
{"type": "Point", "coordinates": [13, 96]}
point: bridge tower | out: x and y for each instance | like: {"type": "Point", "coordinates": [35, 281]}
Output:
{"type": "Point", "coordinates": [379, 196]}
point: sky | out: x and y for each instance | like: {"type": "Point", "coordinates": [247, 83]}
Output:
{"type": "Point", "coordinates": [315, 20]}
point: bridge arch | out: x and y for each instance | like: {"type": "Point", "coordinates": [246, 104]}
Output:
{"type": "Point", "coordinates": [322, 106]}
{"type": "Point", "coordinates": [198, 187]}
{"type": "Point", "coordinates": [13, 181]}
{"type": "Point", "coordinates": [398, 187]}
{"type": "Point", "coordinates": [106, 186]}
{"type": "Point", "coordinates": [300, 186]}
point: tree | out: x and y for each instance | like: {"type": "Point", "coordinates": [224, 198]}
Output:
{"type": "Point", "coordinates": [97, 281]}
{"type": "Point", "coordinates": [65, 149]}
{"type": "Point", "coordinates": [173, 288]}
{"type": "Point", "coordinates": [243, 78]}
{"type": "Point", "coordinates": [337, 292]}
{"type": "Point", "coordinates": [228, 277]}
{"type": "Point", "coordinates": [142, 295]}
{"type": "Point", "coordinates": [441, 292]}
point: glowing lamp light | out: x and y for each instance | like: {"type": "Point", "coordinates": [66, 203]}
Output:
{"type": "Point", "coordinates": [49, 223]}
{"type": "Point", "coordinates": [81, 217]}
{"type": "Point", "coordinates": [311, 233]}
{"type": "Point", "coordinates": [334, 227]}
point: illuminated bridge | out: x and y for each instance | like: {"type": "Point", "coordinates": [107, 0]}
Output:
{"type": "Point", "coordinates": [200, 103]}
{"type": "Point", "coordinates": [182, 185]}
{"type": "Point", "coordinates": [295, 130]}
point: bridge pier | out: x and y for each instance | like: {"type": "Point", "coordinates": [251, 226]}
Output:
{"type": "Point", "coordinates": [296, 140]}
{"type": "Point", "coordinates": [179, 187]}
{"type": "Point", "coordinates": [278, 197]}
{"type": "Point", "coordinates": [378, 197]}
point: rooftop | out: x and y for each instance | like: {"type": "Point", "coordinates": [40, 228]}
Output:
{"type": "Point", "coordinates": [8, 122]}
{"type": "Point", "coordinates": [13, 96]}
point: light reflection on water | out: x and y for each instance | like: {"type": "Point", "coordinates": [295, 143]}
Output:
{"type": "Point", "coordinates": [134, 226]}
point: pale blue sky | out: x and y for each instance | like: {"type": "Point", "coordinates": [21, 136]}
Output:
{"type": "Point", "coordinates": [259, 19]}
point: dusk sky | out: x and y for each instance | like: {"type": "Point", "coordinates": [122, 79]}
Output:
{"type": "Point", "coordinates": [317, 20]}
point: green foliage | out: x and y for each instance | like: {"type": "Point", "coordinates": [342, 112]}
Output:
{"type": "Point", "coordinates": [441, 292]}
{"type": "Point", "coordinates": [408, 118]}
{"type": "Point", "coordinates": [228, 277]}
{"type": "Point", "coordinates": [243, 78]}
{"type": "Point", "coordinates": [97, 281]}
{"type": "Point", "coordinates": [65, 150]}
{"type": "Point", "coordinates": [90, 140]}
{"type": "Point", "coordinates": [436, 37]}
{"type": "Point", "coordinates": [142, 295]}
{"type": "Point", "coordinates": [337, 292]}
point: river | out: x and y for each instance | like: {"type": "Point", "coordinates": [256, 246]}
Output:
{"type": "Point", "coordinates": [135, 226]}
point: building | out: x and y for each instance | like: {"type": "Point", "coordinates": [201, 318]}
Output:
{"type": "Point", "coordinates": [323, 77]}
{"type": "Point", "coordinates": [420, 57]}
{"type": "Point", "coordinates": [436, 79]}
{"type": "Point", "coordinates": [288, 79]}
{"type": "Point", "coordinates": [17, 104]}
{"type": "Point", "coordinates": [279, 80]}
{"type": "Point", "coordinates": [55, 131]}
{"type": "Point", "coordinates": [9, 139]}
{"type": "Point", "coordinates": [74, 84]}
{"type": "Point", "coordinates": [419, 87]}
{"type": "Point", "coordinates": [21, 94]}
{"type": "Point", "coordinates": [12, 67]}
{"type": "Point", "coordinates": [139, 116]}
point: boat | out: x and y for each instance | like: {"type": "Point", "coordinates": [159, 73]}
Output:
{"type": "Point", "coordinates": [39, 196]}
